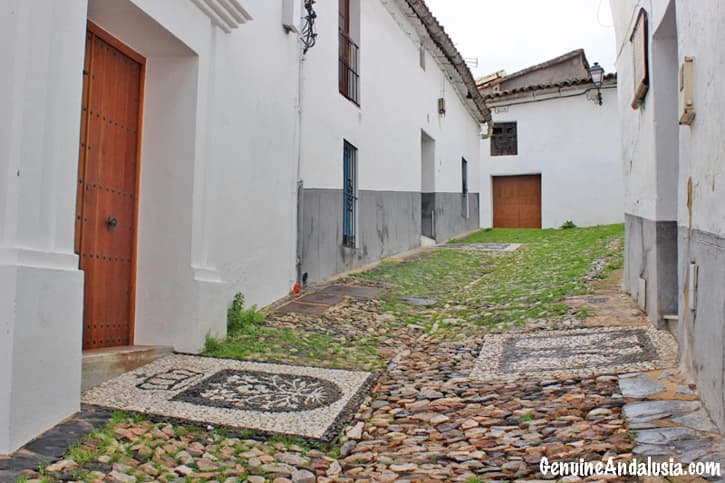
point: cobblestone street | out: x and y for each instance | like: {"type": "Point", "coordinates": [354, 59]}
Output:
{"type": "Point", "coordinates": [362, 241]}
{"type": "Point", "coordinates": [450, 403]}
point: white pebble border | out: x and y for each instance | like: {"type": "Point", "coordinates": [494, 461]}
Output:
{"type": "Point", "coordinates": [122, 393]}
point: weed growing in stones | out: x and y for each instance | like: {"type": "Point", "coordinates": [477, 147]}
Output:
{"type": "Point", "coordinates": [472, 292]}
{"type": "Point", "coordinates": [81, 454]}
{"type": "Point", "coordinates": [469, 292]}
{"type": "Point", "coordinates": [249, 338]}
{"type": "Point", "coordinates": [240, 317]}
{"type": "Point", "coordinates": [524, 418]}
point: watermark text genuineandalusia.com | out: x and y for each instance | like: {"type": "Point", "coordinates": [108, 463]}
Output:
{"type": "Point", "coordinates": [634, 467]}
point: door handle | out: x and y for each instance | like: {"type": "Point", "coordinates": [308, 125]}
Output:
{"type": "Point", "coordinates": [111, 223]}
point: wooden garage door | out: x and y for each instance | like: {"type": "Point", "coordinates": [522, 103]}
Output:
{"type": "Point", "coordinates": [517, 201]}
{"type": "Point", "coordinates": [107, 185]}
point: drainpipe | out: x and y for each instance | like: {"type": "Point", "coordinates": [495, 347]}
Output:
{"type": "Point", "coordinates": [300, 182]}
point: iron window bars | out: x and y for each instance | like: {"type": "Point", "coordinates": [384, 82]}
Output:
{"type": "Point", "coordinates": [504, 141]}
{"type": "Point", "coordinates": [349, 195]}
{"type": "Point", "coordinates": [349, 77]}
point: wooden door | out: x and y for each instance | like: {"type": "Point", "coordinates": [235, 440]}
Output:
{"type": "Point", "coordinates": [106, 202]}
{"type": "Point", "coordinates": [517, 201]}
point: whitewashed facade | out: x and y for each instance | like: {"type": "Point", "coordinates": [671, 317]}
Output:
{"type": "Point", "coordinates": [674, 165]}
{"type": "Point", "coordinates": [564, 136]}
{"type": "Point", "coordinates": [234, 117]}
{"type": "Point", "coordinates": [213, 137]}
{"type": "Point", "coordinates": [402, 76]}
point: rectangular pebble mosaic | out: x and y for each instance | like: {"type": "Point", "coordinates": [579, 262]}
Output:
{"type": "Point", "coordinates": [483, 247]}
{"type": "Point", "coordinates": [579, 352]}
{"type": "Point", "coordinates": [309, 402]}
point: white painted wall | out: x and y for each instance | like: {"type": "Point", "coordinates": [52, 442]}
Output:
{"type": "Point", "coordinates": [693, 152]}
{"type": "Point", "coordinates": [702, 145]}
{"type": "Point", "coordinates": [41, 289]}
{"type": "Point", "coordinates": [701, 35]}
{"type": "Point", "coordinates": [574, 144]}
{"type": "Point", "coordinates": [398, 99]}
{"type": "Point", "coordinates": [695, 155]}
{"type": "Point", "coordinates": [219, 159]}
{"type": "Point", "coordinates": [218, 175]}
{"type": "Point", "coordinates": [637, 126]}
{"type": "Point", "coordinates": [218, 184]}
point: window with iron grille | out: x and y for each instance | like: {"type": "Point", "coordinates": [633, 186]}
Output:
{"type": "Point", "coordinates": [464, 189]}
{"type": "Point", "coordinates": [349, 58]}
{"type": "Point", "coordinates": [349, 194]}
{"type": "Point", "coordinates": [503, 140]}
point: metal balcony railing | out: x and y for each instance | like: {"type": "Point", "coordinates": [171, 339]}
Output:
{"type": "Point", "coordinates": [349, 77]}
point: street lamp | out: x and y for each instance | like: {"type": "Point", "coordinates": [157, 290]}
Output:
{"type": "Point", "coordinates": [597, 74]}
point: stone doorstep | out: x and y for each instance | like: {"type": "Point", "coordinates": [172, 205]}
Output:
{"type": "Point", "coordinates": [100, 365]}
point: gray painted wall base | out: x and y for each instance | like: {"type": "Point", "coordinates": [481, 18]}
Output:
{"type": "Point", "coordinates": [389, 222]}
{"type": "Point", "coordinates": [661, 253]}
{"type": "Point", "coordinates": [651, 254]}
{"type": "Point", "coordinates": [450, 212]}
{"type": "Point", "coordinates": [702, 330]}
